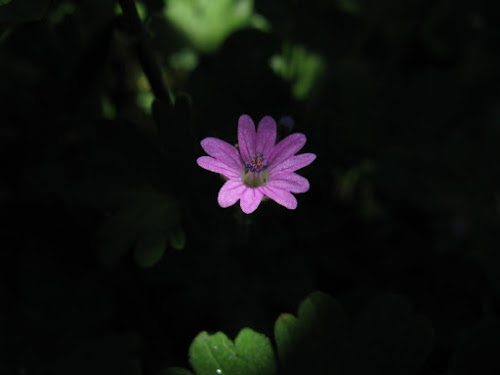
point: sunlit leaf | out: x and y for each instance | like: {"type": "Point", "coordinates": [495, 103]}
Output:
{"type": "Point", "coordinates": [213, 354]}
{"type": "Point", "coordinates": [301, 68]}
{"type": "Point", "coordinates": [207, 23]}
{"type": "Point", "coordinates": [250, 354]}
{"type": "Point", "coordinates": [257, 352]}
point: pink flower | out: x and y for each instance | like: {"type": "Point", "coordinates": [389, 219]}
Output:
{"type": "Point", "coordinates": [257, 167]}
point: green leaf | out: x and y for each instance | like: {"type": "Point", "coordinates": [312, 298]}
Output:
{"type": "Point", "coordinates": [143, 224]}
{"type": "Point", "coordinates": [207, 23]}
{"type": "Point", "coordinates": [286, 335]}
{"type": "Point", "coordinates": [213, 354]}
{"type": "Point", "coordinates": [313, 341]}
{"type": "Point", "coordinates": [150, 247]}
{"type": "Point", "coordinates": [117, 235]}
{"type": "Point", "coordinates": [177, 239]}
{"type": "Point", "coordinates": [299, 67]}
{"type": "Point", "coordinates": [251, 354]}
{"type": "Point", "coordinates": [257, 352]}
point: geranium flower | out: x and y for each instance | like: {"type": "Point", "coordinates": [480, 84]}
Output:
{"type": "Point", "coordinates": [257, 167]}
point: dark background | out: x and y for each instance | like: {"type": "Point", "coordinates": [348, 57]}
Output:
{"type": "Point", "coordinates": [114, 253]}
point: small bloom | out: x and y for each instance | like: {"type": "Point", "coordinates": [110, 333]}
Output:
{"type": "Point", "coordinates": [257, 167]}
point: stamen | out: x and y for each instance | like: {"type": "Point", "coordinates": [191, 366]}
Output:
{"type": "Point", "coordinates": [257, 163]}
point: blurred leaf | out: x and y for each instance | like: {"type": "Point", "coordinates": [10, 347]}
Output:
{"type": "Point", "coordinates": [477, 350]}
{"type": "Point", "coordinates": [349, 6]}
{"type": "Point", "coordinates": [311, 343]}
{"type": "Point", "coordinates": [349, 180]}
{"type": "Point", "coordinates": [285, 333]}
{"type": "Point", "coordinates": [117, 235]}
{"type": "Point", "coordinates": [144, 223]}
{"type": "Point", "coordinates": [184, 60]}
{"type": "Point", "coordinates": [207, 23]}
{"type": "Point", "coordinates": [388, 338]}
{"type": "Point", "coordinates": [299, 67]}
{"type": "Point", "coordinates": [150, 246]}
{"type": "Point", "coordinates": [177, 239]}
{"type": "Point", "coordinates": [251, 354]}
{"type": "Point", "coordinates": [18, 11]}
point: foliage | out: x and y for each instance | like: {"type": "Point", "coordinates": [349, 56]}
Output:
{"type": "Point", "coordinates": [115, 254]}
{"type": "Point", "coordinates": [207, 23]}
{"type": "Point", "coordinates": [387, 338]}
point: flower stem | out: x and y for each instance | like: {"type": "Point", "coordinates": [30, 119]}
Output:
{"type": "Point", "coordinates": [146, 58]}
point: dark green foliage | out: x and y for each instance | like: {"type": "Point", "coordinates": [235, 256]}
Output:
{"type": "Point", "coordinates": [314, 340]}
{"type": "Point", "coordinates": [387, 337]}
{"type": "Point", "coordinates": [114, 253]}
{"type": "Point", "coordinates": [145, 224]}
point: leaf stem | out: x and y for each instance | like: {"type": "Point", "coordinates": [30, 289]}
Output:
{"type": "Point", "coordinates": [146, 58]}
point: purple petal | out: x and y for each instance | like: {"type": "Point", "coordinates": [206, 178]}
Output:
{"type": "Point", "coordinates": [223, 151]}
{"type": "Point", "coordinates": [286, 148]}
{"type": "Point", "coordinates": [217, 166]}
{"type": "Point", "coordinates": [266, 135]}
{"type": "Point", "coordinates": [280, 196]}
{"type": "Point", "coordinates": [250, 200]}
{"type": "Point", "coordinates": [289, 181]}
{"type": "Point", "coordinates": [230, 192]}
{"type": "Point", "coordinates": [246, 136]}
{"type": "Point", "coordinates": [293, 163]}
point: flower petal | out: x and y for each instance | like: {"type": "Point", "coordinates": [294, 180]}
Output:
{"type": "Point", "coordinates": [230, 192]}
{"type": "Point", "coordinates": [293, 163]}
{"type": "Point", "coordinates": [246, 136]}
{"type": "Point", "coordinates": [266, 135]}
{"type": "Point", "coordinates": [223, 151]}
{"type": "Point", "coordinates": [250, 200]}
{"type": "Point", "coordinates": [289, 181]}
{"type": "Point", "coordinates": [280, 196]}
{"type": "Point", "coordinates": [286, 148]}
{"type": "Point", "coordinates": [217, 166]}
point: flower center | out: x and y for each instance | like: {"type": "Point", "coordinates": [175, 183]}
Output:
{"type": "Point", "coordinates": [255, 173]}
